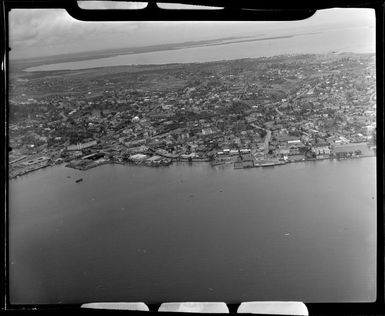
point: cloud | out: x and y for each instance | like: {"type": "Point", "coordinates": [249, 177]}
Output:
{"type": "Point", "coordinates": [52, 31]}
{"type": "Point", "coordinates": [43, 32]}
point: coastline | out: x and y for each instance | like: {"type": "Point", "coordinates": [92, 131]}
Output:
{"type": "Point", "coordinates": [260, 165]}
{"type": "Point", "coordinates": [113, 146]}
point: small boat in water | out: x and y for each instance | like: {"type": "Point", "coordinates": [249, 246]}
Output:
{"type": "Point", "coordinates": [79, 180]}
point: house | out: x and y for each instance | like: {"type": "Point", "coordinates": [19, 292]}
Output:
{"type": "Point", "coordinates": [321, 152]}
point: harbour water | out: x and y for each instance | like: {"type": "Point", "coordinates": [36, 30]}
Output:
{"type": "Point", "coordinates": [303, 231]}
{"type": "Point", "coordinates": [353, 39]}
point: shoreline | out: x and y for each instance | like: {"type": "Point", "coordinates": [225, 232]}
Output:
{"type": "Point", "coordinates": [58, 66]}
{"type": "Point", "coordinates": [272, 164]}
{"type": "Point", "coordinates": [32, 70]}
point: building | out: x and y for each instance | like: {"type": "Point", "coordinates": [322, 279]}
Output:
{"type": "Point", "coordinates": [34, 161]}
{"type": "Point", "coordinates": [81, 146]}
{"type": "Point", "coordinates": [323, 151]}
{"type": "Point", "coordinates": [138, 158]}
{"type": "Point", "coordinates": [361, 149]}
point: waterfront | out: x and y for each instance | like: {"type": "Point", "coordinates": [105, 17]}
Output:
{"type": "Point", "coordinates": [194, 232]}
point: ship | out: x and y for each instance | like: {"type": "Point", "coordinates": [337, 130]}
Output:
{"type": "Point", "coordinates": [79, 180]}
{"type": "Point", "coordinates": [267, 164]}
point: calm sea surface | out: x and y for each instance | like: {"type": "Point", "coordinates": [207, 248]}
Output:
{"type": "Point", "coordinates": [304, 231]}
{"type": "Point", "coordinates": [353, 39]}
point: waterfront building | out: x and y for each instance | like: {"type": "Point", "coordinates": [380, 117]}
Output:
{"type": "Point", "coordinates": [138, 158]}
{"type": "Point", "coordinates": [81, 146]}
{"type": "Point", "coordinates": [361, 148]}
{"type": "Point", "coordinates": [34, 161]}
{"type": "Point", "coordinates": [321, 150]}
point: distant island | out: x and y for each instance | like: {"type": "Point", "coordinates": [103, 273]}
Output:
{"type": "Point", "coordinates": [22, 64]}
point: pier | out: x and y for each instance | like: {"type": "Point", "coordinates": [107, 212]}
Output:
{"type": "Point", "coordinates": [267, 140]}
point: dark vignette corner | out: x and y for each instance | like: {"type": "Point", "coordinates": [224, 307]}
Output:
{"type": "Point", "coordinates": [277, 8]}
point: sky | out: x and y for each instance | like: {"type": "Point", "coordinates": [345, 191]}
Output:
{"type": "Point", "coordinates": [47, 32]}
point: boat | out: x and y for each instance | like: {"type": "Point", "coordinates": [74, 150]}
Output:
{"type": "Point", "coordinates": [217, 163]}
{"type": "Point", "coordinates": [267, 164]}
{"type": "Point", "coordinates": [79, 180]}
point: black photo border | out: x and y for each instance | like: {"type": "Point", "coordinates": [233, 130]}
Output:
{"type": "Point", "coordinates": [233, 10]}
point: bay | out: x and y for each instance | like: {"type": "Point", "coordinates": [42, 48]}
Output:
{"type": "Point", "coordinates": [349, 39]}
{"type": "Point", "coordinates": [192, 232]}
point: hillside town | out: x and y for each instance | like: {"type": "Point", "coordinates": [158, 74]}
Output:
{"type": "Point", "coordinates": [243, 113]}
